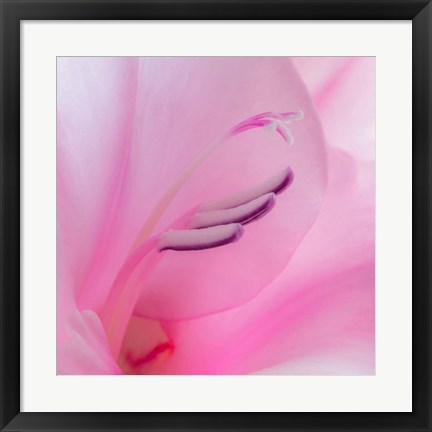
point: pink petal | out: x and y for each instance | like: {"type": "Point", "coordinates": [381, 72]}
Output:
{"type": "Point", "coordinates": [331, 320]}
{"type": "Point", "coordinates": [95, 109]}
{"type": "Point", "coordinates": [321, 309]}
{"type": "Point", "coordinates": [343, 90]}
{"type": "Point", "coordinates": [193, 284]}
{"type": "Point", "coordinates": [129, 127]}
{"type": "Point", "coordinates": [82, 348]}
{"type": "Point", "coordinates": [85, 351]}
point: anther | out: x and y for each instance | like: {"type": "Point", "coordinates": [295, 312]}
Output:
{"type": "Point", "coordinates": [275, 184]}
{"type": "Point", "coordinates": [198, 239]}
{"type": "Point", "coordinates": [243, 214]}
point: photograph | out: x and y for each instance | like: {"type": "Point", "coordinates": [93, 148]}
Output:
{"type": "Point", "coordinates": [215, 215]}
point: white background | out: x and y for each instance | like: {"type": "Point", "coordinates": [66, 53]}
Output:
{"type": "Point", "coordinates": [389, 390]}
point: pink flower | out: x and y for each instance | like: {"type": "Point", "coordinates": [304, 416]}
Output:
{"type": "Point", "coordinates": [204, 224]}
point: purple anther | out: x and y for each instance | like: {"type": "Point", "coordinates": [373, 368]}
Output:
{"type": "Point", "coordinates": [198, 239]}
{"type": "Point", "coordinates": [243, 214]}
{"type": "Point", "coordinates": [275, 184]}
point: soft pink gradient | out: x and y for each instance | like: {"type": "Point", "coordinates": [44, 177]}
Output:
{"type": "Point", "coordinates": [294, 295]}
{"type": "Point", "coordinates": [343, 90]}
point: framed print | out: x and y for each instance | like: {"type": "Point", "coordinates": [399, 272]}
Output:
{"type": "Point", "coordinates": [215, 216]}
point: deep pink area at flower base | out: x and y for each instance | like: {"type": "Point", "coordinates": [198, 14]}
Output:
{"type": "Point", "coordinates": [320, 308]}
{"type": "Point", "coordinates": [296, 288]}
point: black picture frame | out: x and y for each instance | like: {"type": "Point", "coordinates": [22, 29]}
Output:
{"type": "Point", "coordinates": [13, 11]}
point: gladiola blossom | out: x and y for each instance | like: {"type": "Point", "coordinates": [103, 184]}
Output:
{"type": "Point", "coordinates": [213, 218]}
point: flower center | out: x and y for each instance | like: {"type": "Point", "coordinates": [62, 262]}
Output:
{"type": "Point", "coordinates": [209, 225]}
{"type": "Point", "coordinates": [278, 122]}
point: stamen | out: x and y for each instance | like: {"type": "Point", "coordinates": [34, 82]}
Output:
{"type": "Point", "coordinates": [198, 239]}
{"type": "Point", "coordinates": [214, 226]}
{"type": "Point", "coordinates": [243, 214]}
{"type": "Point", "coordinates": [264, 120]}
{"type": "Point", "coordinates": [275, 184]}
